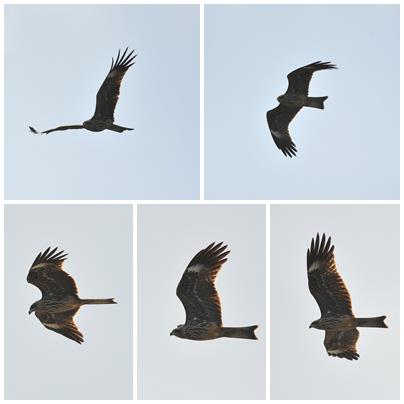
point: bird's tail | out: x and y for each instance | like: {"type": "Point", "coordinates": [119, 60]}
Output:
{"type": "Point", "coordinates": [316, 102]}
{"type": "Point", "coordinates": [240, 332]}
{"type": "Point", "coordinates": [97, 301]}
{"type": "Point", "coordinates": [371, 322]}
{"type": "Point", "coordinates": [117, 128]}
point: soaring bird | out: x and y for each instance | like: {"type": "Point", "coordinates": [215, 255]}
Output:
{"type": "Point", "coordinates": [107, 98]}
{"type": "Point", "coordinates": [198, 294]}
{"type": "Point", "coordinates": [60, 300]}
{"type": "Point", "coordinates": [332, 296]}
{"type": "Point", "coordinates": [290, 103]}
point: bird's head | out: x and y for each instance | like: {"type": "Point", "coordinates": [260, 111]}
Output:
{"type": "Point", "coordinates": [177, 331]}
{"type": "Point", "coordinates": [33, 307]}
{"type": "Point", "coordinates": [315, 324]}
{"type": "Point", "coordinates": [280, 98]}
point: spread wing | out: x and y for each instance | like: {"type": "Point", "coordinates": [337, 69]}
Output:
{"type": "Point", "coordinates": [108, 94]}
{"type": "Point", "coordinates": [342, 343]}
{"type": "Point", "coordinates": [47, 274]}
{"type": "Point", "coordinates": [325, 284]}
{"type": "Point", "coordinates": [299, 79]}
{"type": "Point", "coordinates": [196, 289]}
{"type": "Point", "coordinates": [62, 323]}
{"type": "Point", "coordinates": [66, 127]}
{"type": "Point", "coordinates": [278, 121]}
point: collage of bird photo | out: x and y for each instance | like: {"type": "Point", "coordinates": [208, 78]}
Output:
{"type": "Point", "coordinates": [201, 201]}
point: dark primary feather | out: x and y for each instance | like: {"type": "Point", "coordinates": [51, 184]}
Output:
{"type": "Point", "coordinates": [108, 94]}
{"type": "Point", "coordinates": [47, 274]}
{"type": "Point", "coordinates": [325, 284]}
{"type": "Point", "coordinates": [62, 323]}
{"type": "Point", "coordinates": [196, 289]}
{"type": "Point", "coordinates": [32, 130]}
{"type": "Point", "coordinates": [66, 127]}
{"type": "Point", "coordinates": [278, 122]}
{"type": "Point", "coordinates": [299, 79]}
{"type": "Point", "coordinates": [342, 344]}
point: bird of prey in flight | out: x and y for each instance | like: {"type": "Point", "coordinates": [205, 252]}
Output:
{"type": "Point", "coordinates": [290, 103]}
{"type": "Point", "coordinates": [332, 296]}
{"type": "Point", "coordinates": [107, 98]}
{"type": "Point", "coordinates": [198, 294]}
{"type": "Point", "coordinates": [60, 300]}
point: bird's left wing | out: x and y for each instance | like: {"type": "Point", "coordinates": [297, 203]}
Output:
{"type": "Point", "coordinates": [278, 121]}
{"type": "Point", "coordinates": [62, 323]}
{"type": "Point", "coordinates": [108, 94]}
{"type": "Point", "coordinates": [47, 274]}
{"type": "Point", "coordinates": [196, 289]}
{"type": "Point", "coordinates": [325, 283]}
{"type": "Point", "coordinates": [299, 79]}
{"type": "Point", "coordinates": [342, 343]}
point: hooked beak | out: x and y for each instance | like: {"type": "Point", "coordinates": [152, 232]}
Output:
{"type": "Point", "coordinates": [171, 333]}
{"type": "Point", "coordinates": [310, 326]}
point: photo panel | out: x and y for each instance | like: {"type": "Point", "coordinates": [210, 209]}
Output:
{"type": "Point", "coordinates": [343, 351]}
{"type": "Point", "coordinates": [57, 353]}
{"type": "Point", "coordinates": [343, 144]}
{"type": "Point", "coordinates": [176, 359]}
{"type": "Point", "coordinates": [69, 49]}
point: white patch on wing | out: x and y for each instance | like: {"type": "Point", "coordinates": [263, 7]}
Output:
{"type": "Point", "coordinates": [54, 325]}
{"type": "Point", "coordinates": [315, 266]}
{"type": "Point", "coordinates": [195, 268]}
{"type": "Point", "coordinates": [44, 264]}
{"type": "Point", "coordinates": [277, 134]}
{"type": "Point", "coordinates": [334, 351]}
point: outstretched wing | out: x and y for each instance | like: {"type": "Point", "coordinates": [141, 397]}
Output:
{"type": "Point", "coordinates": [325, 283]}
{"type": "Point", "coordinates": [196, 289]}
{"type": "Point", "coordinates": [62, 323]}
{"type": "Point", "coordinates": [108, 94]}
{"type": "Point", "coordinates": [278, 121]}
{"type": "Point", "coordinates": [66, 127]}
{"type": "Point", "coordinates": [299, 79]}
{"type": "Point", "coordinates": [47, 274]}
{"type": "Point", "coordinates": [342, 343]}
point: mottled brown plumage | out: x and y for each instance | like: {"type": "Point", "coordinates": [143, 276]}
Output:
{"type": "Point", "coordinates": [201, 301]}
{"type": "Point", "coordinates": [107, 98]}
{"type": "Point", "coordinates": [290, 103]}
{"type": "Point", "coordinates": [60, 300]}
{"type": "Point", "coordinates": [334, 301]}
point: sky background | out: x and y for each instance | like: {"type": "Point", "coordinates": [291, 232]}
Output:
{"type": "Point", "coordinates": [350, 150]}
{"type": "Point", "coordinates": [225, 368]}
{"type": "Point", "coordinates": [366, 240]}
{"type": "Point", "coordinates": [56, 58]}
{"type": "Point", "coordinates": [48, 365]}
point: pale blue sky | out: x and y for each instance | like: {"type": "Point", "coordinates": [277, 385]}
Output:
{"type": "Point", "coordinates": [56, 58]}
{"type": "Point", "coordinates": [348, 151]}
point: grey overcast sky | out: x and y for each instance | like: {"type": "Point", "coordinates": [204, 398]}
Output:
{"type": "Point", "coordinates": [56, 58]}
{"type": "Point", "coordinates": [350, 150]}
{"type": "Point", "coordinates": [41, 364]}
{"type": "Point", "coordinates": [367, 252]}
{"type": "Point", "coordinates": [172, 368]}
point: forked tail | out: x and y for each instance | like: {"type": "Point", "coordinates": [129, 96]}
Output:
{"type": "Point", "coordinates": [117, 128]}
{"type": "Point", "coordinates": [240, 332]}
{"type": "Point", "coordinates": [316, 102]}
{"type": "Point", "coordinates": [98, 301]}
{"type": "Point", "coordinates": [371, 322]}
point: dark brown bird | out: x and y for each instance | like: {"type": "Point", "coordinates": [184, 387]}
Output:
{"type": "Point", "coordinates": [60, 300]}
{"type": "Point", "coordinates": [107, 98]}
{"type": "Point", "coordinates": [332, 296]}
{"type": "Point", "coordinates": [290, 103]}
{"type": "Point", "coordinates": [198, 294]}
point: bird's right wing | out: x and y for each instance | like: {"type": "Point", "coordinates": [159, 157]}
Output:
{"type": "Point", "coordinates": [278, 121]}
{"type": "Point", "coordinates": [47, 274]}
{"type": "Point", "coordinates": [196, 289]}
{"type": "Point", "coordinates": [45, 132]}
{"type": "Point", "coordinates": [108, 94]}
{"type": "Point", "coordinates": [62, 323]}
{"type": "Point", "coordinates": [342, 343]}
{"type": "Point", "coordinates": [325, 283]}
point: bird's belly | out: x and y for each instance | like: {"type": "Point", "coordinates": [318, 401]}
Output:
{"type": "Point", "coordinates": [339, 323]}
{"type": "Point", "coordinates": [294, 100]}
